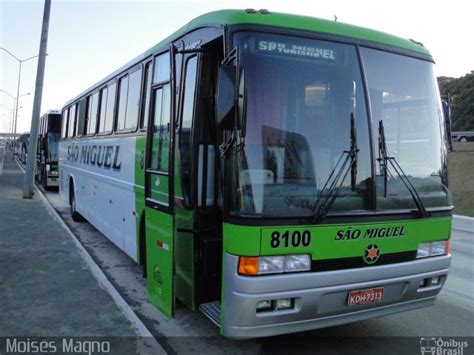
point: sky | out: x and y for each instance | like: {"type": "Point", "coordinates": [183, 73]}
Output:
{"type": "Point", "coordinates": [90, 39]}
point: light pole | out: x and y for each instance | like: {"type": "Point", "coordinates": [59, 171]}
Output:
{"type": "Point", "coordinates": [14, 100]}
{"type": "Point", "coordinates": [31, 160]}
{"type": "Point", "coordinates": [20, 61]}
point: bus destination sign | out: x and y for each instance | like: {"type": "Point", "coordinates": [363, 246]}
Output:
{"type": "Point", "coordinates": [282, 48]}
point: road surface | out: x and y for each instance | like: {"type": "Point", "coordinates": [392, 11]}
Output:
{"type": "Point", "coordinates": [451, 316]}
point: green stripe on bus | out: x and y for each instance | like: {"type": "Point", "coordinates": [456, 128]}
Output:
{"type": "Point", "coordinates": [334, 240]}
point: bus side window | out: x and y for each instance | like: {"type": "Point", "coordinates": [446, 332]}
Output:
{"type": "Point", "coordinates": [109, 111]}
{"type": "Point", "coordinates": [79, 126]}
{"type": "Point", "coordinates": [162, 68]}
{"type": "Point", "coordinates": [178, 64]}
{"type": "Point", "coordinates": [87, 119]}
{"type": "Point", "coordinates": [72, 121]}
{"type": "Point", "coordinates": [107, 108]}
{"type": "Point", "coordinates": [146, 96]}
{"type": "Point", "coordinates": [133, 99]}
{"type": "Point", "coordinates": [92, 113]}
{"type": "Point", "coordinates": [160, 115]}
{"type": "Point", "coordinates": [187, 123]}
{"type": "Point", "coordinates": [103, 106]}
{"type": "Point", "coordinates": [122, 103]}
{"type": "Point", "coordinates": [161, 129]}
{"type": "Point", "coordinates": [64, 123]}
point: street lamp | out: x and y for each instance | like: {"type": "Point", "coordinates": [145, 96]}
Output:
{"type": "Point", "coordinates": [11, 120]}
{"type": "Point", "coordinates": [10, 128]}
{"type": "Point", "coordinates": [20, 61]}
{"type": "Point", "coordinates": [9, 109]}
{"type": "Point", "coordinates": [14, 100]}
{"type": "Point", "coordinates": [6, 124]}
{"type": "Point", "coordinates": [13, 97]}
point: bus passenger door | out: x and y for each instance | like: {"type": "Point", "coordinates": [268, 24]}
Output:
{"type": "Point", "coordinates": [159, 216]}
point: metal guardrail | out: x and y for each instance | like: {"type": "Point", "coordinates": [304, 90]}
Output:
{"type": "Point", "coordinates": [463, 133]}
{"type": "Point", "coordinates": [463, 224]}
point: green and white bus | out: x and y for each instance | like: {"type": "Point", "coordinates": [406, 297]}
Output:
{"type": "Point", "coordinates": [280, 173]}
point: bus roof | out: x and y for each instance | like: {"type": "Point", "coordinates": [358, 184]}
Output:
{"type": "Point", "coordinates": [297, 22]}
{"type": "Point", "coordinates": [51, 112]}
{"type": "Point", "coordinates": [275, 19]}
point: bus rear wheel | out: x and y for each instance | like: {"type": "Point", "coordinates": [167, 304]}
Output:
{"type": "Point", "coordinates": [76, 216]}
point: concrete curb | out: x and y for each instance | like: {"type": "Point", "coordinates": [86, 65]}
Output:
{"type": "Point", "coordinates": [147, 339]}
{"type": "Point", "coordinates": [463, 223]}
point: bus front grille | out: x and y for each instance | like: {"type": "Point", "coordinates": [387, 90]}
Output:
{"type": "Point", "coordinates": [355, 262]}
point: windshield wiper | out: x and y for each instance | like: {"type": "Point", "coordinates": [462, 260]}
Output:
{"type": "Point", "coordinates": [346, 162]}
{"type": "Point", "coordinates": [383, 159]}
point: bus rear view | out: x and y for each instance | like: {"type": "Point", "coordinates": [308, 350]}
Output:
{"type": "Point", "coordinates": [47, 153]}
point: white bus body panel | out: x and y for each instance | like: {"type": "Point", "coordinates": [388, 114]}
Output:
{"type": "Point", "coordinates": [103, 171]}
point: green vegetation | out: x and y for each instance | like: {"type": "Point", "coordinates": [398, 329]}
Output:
{"type": "Point", "coordinates": [461, 177]}
{"type": "Point", "coordinates": [460, 92]}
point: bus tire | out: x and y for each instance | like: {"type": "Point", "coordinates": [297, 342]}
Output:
{"type": "Point", "coordinates": [462, 139]}
{"type": "Point", "coordinates": [44, 181]}
{"type": "Point", "coordinates": [76, 216]}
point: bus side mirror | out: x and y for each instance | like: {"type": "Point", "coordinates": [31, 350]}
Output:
{"type": "Point", "coordinates": [225, 106]}
{"type": "Point", "coordinates": [242, 105]}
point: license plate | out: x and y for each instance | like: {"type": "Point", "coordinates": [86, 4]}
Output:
{"type": "Point", "coordinates": [370, 295]}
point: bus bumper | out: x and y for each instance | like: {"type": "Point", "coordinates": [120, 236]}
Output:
{"type": "Point", "coordinates": [52, 181]}
{"type": "Point", "coordinates": [320, 298]}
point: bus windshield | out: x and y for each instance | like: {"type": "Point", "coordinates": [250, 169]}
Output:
{"type": "Point", "coordinates": [301, 94]}
{"type": "Point", "coordinates": [404, 96]}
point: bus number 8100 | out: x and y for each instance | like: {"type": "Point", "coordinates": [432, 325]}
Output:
{"type": "Point", "coordinates": [296, 239]}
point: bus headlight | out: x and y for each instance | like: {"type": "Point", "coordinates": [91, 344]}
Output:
{"type": "Point", "coordinates": [264, 265]}
{"type": "Point", "coordinates": [423, 250]}
{"type": "Point", "coordinates": [297, 263]}
{"type": "Point", "coordinates": [440, 247]}
{"type": "Point", "coordinates": [271, 264]}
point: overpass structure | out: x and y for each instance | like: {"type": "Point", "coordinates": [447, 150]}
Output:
{"type": "Point", "coordinates": [9, 135]}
